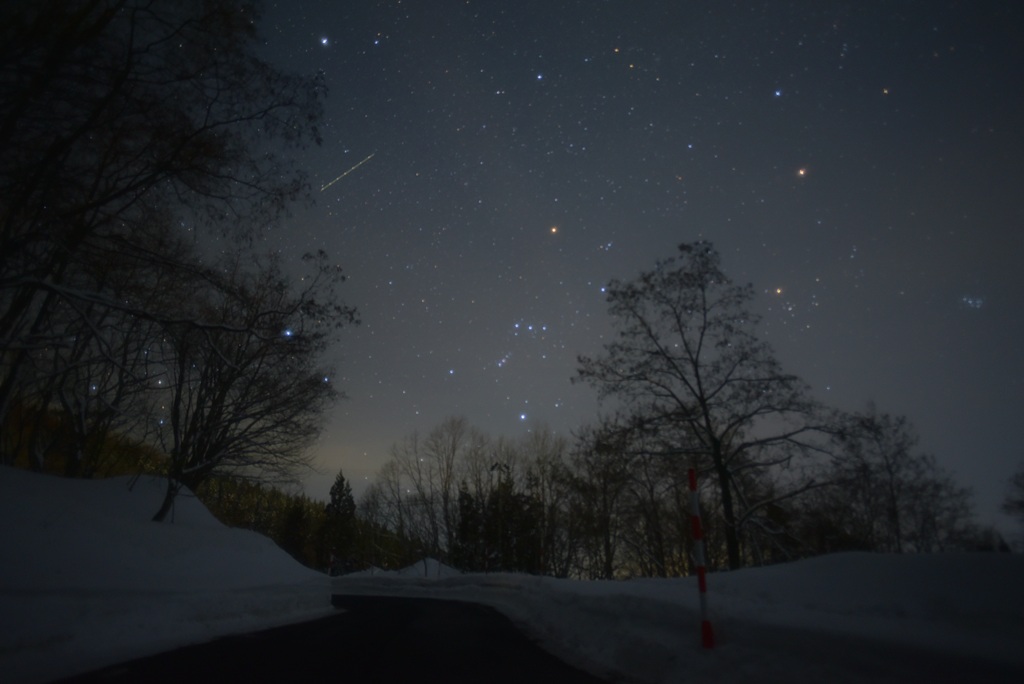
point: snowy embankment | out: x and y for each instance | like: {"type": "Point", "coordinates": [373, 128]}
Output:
{"type": "Point", "coordinates": [847, 617]}
{"type": "Point", "coordinates": [87, 581]}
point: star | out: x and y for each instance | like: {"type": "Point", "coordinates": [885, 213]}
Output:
{"type": "Point", "coordinates": [972, 302]}
{"type": "Point", "coordinates": [481, 202]}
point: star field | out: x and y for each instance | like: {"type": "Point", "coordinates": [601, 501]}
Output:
{"type": "Point", "coordinates": [488, 167]}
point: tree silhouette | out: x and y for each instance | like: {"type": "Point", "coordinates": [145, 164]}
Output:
{"type": "Point", "coordinates": [1013, 504]}
{"type": "Point", "coordinates": [124, 122]}
{"type": "Point", "coordinates": [696, 378]}
{"type": "Point", "coordinates": [244, 393]}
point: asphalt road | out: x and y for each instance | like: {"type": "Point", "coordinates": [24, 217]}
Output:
{"type": "Point", "coordinates": [373, 639]}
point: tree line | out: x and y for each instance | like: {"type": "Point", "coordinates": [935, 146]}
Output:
{"type": "Point", "coordinates": [573, 507]}
{"type": "Point", "coordinates": [327, 536]}
{"type": "Point", "coordinates": [588, 508]}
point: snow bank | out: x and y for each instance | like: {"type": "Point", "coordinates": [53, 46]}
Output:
{"type": "Point", "coordinates": [430, 568]}
{"type": "Point", "coordinates": [803, 621]}
{"type": "Point", "coordinates": [88, 580]}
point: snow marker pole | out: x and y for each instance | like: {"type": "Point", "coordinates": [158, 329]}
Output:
{"type": "Point", "coordinates": [707, 635]}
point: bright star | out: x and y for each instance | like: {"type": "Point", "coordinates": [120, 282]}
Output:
{"type": "Point", "coordinates": [972, 302]}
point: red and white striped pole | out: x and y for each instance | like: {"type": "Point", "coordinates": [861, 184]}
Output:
{"type": "Point", "coordinates": [707, 635]}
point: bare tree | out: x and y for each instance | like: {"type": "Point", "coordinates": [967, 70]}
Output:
{"type": "Point", "coordinates": [686, 361]}
{"type": "Point", "coordinates": [430, 468]}
{"type": "Point", "coordinates": [244, 392]}
{"type": "Point", "coordinates": [443, 448]}
{"type": "Point", "coordinates": [415, 492]}
{"type": "Point", "coordinates": [890, 497]}
{"type": "Point", "coordinates": [600, 475]}
{"type": "Point", "coordinates": [82, 376]}
{"type": "Point", "coordinates": [117, 116]}
{"type": "Point", "coordinates": [1014, 502]}
{"type": "Point", "coordinates": [92, 376]}
{"type": "Point", "coordinates": [384, 504]}
{"type": "Point", "coordinates": [548, 482]}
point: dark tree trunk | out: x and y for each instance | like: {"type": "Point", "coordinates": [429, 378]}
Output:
{"type": "Point", "coordinates": [173, 486]}
{"type": "Point", "coordinates": [732, 542]}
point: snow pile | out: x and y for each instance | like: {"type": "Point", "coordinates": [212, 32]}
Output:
{"type": "Point", "coordinates": [88, 580]}
{"type": "Point", "coordinates": [426, 568]}
{"type": "Point", "coordinates": [853, 614]}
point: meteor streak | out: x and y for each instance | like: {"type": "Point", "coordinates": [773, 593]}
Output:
{"type": "Point", "coordinates": [347, 172]}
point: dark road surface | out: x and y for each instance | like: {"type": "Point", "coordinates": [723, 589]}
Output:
{"type": "Point", "coordinates": [374, 639]}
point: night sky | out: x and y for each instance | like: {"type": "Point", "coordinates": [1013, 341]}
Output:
{"type": "Point", "coordinates": [860, 163]}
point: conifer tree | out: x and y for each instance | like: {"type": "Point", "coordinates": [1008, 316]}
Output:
{"type": "Point", "coordinates": [340, 525]}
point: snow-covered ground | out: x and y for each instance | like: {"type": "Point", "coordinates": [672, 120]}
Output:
{"type": "Point", "coordinates": [86, 581]}
{"type": "Point", "coordinates": [851, 617]}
